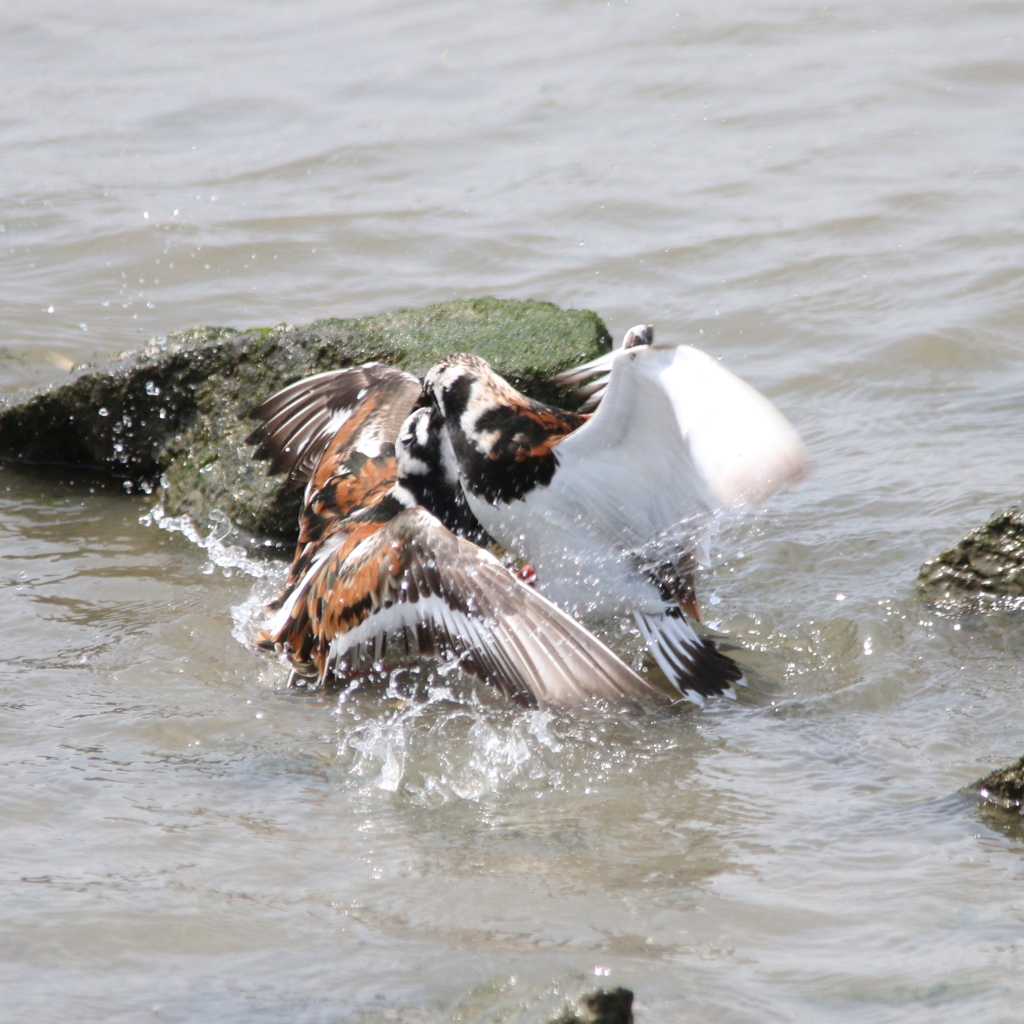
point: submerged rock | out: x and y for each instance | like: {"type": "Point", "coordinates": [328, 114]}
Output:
{"type": "Point", "coordinates": [174, 413]}
{"type": "Point", "coordinates": [983, 572]}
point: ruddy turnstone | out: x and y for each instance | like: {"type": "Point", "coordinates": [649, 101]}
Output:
{"type": "Point", "coordinates": [612, 510]}
{"type": "Point", "coordinates": [379, 581]}
{"type": "Point", "coordinates": [334, 434]}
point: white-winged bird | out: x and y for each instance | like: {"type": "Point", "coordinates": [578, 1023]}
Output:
{"type": "Point", "coordinates": [612, 510]}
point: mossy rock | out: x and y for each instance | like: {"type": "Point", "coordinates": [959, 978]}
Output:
{"type": "Point", "coordinates": [1004, 788]}
{"type": "Point", "coordinates": [982, 572]}
{"type": "Point", "coordinates": [174, 413]}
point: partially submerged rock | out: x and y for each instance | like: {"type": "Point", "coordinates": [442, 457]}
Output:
{"type": "Point", "coordinates": [983, 572]}
{"type": "Point", "coordinates": [566, 1000]}
{"type": "Point", "coordinates": [174, 413]}
{"type": "Point", "coordinates": [604, 1006]}
{"type": "Point", "coordinates": [1004, 788]}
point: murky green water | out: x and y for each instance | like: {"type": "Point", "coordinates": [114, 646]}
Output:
{"type": "Point", "coordinates": [829, 198]}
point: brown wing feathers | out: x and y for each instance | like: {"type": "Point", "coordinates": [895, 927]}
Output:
{"type": "Point", "coordinates": [300, 421]}
{"type": "Point", "coordinates": [335, 434]}
{"type": "Point", "coordinates": [375, 583]}
{"type": "Point", "coordinates": [408, 588]}
{"type": "Point", "coordinates": [431, 592]}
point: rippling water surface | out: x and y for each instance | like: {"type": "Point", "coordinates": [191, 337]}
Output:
{"type": "Point", "coordinates": [826, 196]}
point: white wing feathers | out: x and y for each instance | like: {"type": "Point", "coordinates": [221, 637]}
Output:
{"type": "Point", "coordinates": [596, 373]}
{"type": "Point", "coordinates": [629, 470]}
{"type": "Point", "coordinates": [743, 446]}
{"type": "Point", "coordinates": [736, 446]}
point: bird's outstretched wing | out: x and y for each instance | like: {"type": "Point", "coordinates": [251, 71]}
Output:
{"type": "Point", "coordinates": [627, 477]}
{"type": "Point", "coordinates": [300, 421]}
{"type": "Point", "coordinates": [391, 593]}
{"type": "Point", "coordinates": [742, 447]}
{"type": "Point", "coordinates": [590, 379]}
{"type": "Point", "coordinates": [692, 664]}
{"type": "Point", "coordinates": [335, 433]}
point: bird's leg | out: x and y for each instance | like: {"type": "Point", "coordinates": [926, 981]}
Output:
{"type": "Point", "coordinates": [526, 574]}
{"type": "Point", "coordinates": [522, 571]}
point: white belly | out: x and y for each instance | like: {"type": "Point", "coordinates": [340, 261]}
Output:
{"type": "Point", "coordinates": [579, 570]}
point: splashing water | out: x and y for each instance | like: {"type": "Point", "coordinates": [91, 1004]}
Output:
{"type": "Point", "coordinates": [433, 740]}
{"type": "Point", "coordinates": [223, 543]}
{"type": "Point", "coordinates": [431, 734]}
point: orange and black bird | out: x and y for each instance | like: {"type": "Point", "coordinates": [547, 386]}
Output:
{"type": "Point", "coordinates": [380, 581]}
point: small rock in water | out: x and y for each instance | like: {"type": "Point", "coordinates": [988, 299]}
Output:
{"type": "Point", "coordinates": [983, 572]}
{"type": "Point", "coordinates": [605, 1006]}
{"type": "Point", "coordinates": [565, 1000]}
{"type": "Point", "coordinates": [1005, 787]}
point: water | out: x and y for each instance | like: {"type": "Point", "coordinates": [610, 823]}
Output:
{"type": "Point", "coordinates": [829, 198]}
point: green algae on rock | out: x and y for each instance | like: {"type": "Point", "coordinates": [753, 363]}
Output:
{"type": "Point", "coordinates": [174, 412]}
{"type": "Point", "coordinates": [982, 572]}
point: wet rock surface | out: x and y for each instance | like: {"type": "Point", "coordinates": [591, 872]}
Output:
{"type": "Point", "coordinates": [1004, 788]}
{"type": "Point", "coordinates": [174, 413]}
{"type": "Point", "coordinates": [566, 1000]}
{"type": "Point", "coordinates": [606, 1006]}
{"type": "Point", "coordinates": [982, 572]}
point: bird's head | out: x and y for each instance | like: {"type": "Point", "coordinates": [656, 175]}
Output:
{"type": "Point", "coordinates": [452, 384]}
{"type": "Point", "coordinates": [464, 386]}
{"type": "Point", "coordinates": [642, 334]}
{"type": "Point", "coordinates": [418, 446]}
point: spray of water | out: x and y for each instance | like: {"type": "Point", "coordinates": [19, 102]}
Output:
{"type": "Point", "coordinates": [430, 734]}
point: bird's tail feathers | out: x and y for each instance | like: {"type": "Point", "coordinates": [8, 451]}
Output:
{"type": "Point", "coordinates": [692, 664]}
